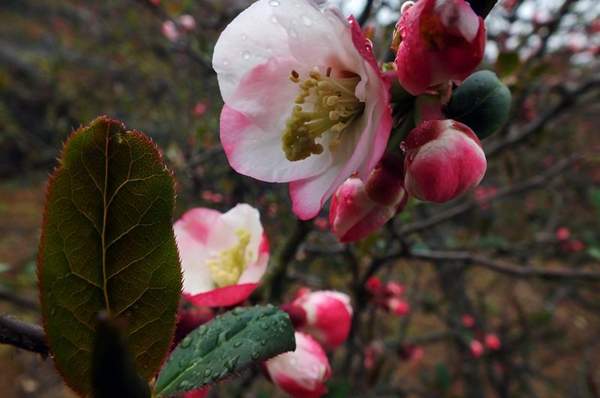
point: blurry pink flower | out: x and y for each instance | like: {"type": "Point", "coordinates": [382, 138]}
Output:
{"type": "Point", "coordinates": [476, 348]}
{"type": "Point", "coordinates": [328, 316]}
{"type": "Point", "coordinates": [443, 159]}
{"type": "Point", "coordinates": [439, 40]}
{"type": "Point", "coordinates": [563, 233]}
{"type": "Point", "coordinates": [372, 352]}
{"type": "Point", "coordinates": [200, 109]}
{"type": "Point", "coordinates": [212, 197]}
{"type": "Point", "coordinates": [395, 289]}
{"type": "Point", "coordinates": [223, 256]}
{"type": "Point", "coordinates": [321, 223]}
{"type": "Point", "coordinates": [574, 246]}
{"type": "Point", "coordinates": [303, 372]}
{"type": "Point", "coordinates": [374, 285]}
{"type": "Point", "coordinates": [468, 321]}
{"type": "Point", "coordinates": [483, 195]}
{"type": "Point", "coordinates": [492, 342]}
{"type": "Point", "coordinates": [398, 306]}
{"type": "Point", "coordinates": [169, 30]}
{"type": "Point", "coordinates": [199, 393]}
{"type": "Point", "coordinates": [305, 102]}
{"type": "Point", "coordinates": [187, 22]}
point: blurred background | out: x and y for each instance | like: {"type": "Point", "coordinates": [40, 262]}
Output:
{"type": "Point", "coordinates": [501, 288]}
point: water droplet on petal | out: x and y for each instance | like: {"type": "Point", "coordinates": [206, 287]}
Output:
{"type": "Point", "coordinates": [244, 37]}
{"type": "Point", "coordinates": [306, 21]}
{"type": "Point", "coordinates": [246, 55]}
{"type": "Point", "coordinates": [274, 19]}
{"type": "Point", "coordinates": [274, 3]}
{"type": "Point", "coordinates": [225, 63]}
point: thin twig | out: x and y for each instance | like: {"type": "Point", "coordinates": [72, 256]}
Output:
{"type": "Point", "coordinates": [22, 335]}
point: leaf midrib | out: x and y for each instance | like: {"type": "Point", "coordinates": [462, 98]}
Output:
{"type": "Point", "coordinates": [104, 219]}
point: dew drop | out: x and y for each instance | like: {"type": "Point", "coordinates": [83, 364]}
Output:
{"type": "Point", "coordinates": [185, 343]}
{"type": "Point", "coordinates": [246, 55]}
{"type": "Point", "coordinates": [306, 21]}
{"type": "Point", "coordinates": [207, 372]}
{"type": "Point", "coordinates": [255, 355]}
{"type": "Point", "coordinates": [244, 37]}
{"type": "Point", "coordinates": [225, 63]}
{"type": "Point", "coordinates": [185, 385]}
{"type": "Point", "coordinates": [274, 19]}
{"type": "Point", "coordinates": [274, 3]}
{"type": "Point", "coordinates": [237, 344]}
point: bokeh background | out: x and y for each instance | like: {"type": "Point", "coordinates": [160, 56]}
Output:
{"type": "Point", "coordinates": [520, 256]}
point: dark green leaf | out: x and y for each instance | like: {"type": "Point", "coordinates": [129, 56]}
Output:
{"type": "Point", "coordinates": [482, 102]}
{"type": "Point", "coordinates": [108, 245]}
{"type": "Point", "coordinates": [113, 369]}
{"type": "Point", "coordinates": [227, 344]}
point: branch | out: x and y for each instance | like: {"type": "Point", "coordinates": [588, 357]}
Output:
{"type": "Point", "coordinates": [505, 267]}
{"type": "Point", "coordinates": [568, 99]}
{"type": "Point", "coordinates": [7, 295]}
{"type": "Point", "coordinates": [22, 335]}
{"type": "Point", "coordinates": [283, 258]}
{"type": "Point", "coordinates": [532, 183]}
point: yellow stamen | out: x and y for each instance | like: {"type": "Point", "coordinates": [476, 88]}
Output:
{"type": "Point", "coordinates": [227, 266]}
{"type": "Point", "coordinates": [324, 104]}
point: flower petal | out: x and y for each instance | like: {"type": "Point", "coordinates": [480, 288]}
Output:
{"type": "Point", "coordinates": [223, 296]}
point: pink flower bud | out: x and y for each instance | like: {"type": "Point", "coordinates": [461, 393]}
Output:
{"type": "Point", "coordinates": [398, 306]}
{"type": "Point", "coordinates": [303, 372]}
{"type": "Point", "coordinates": [187, 22]}
{"type": "Point", "coordinates": [169, 30]}
{"type": "Point", "coordinates": [440, 40]}
{"type": "Point", "coordinates": [200, 109]}
{"type": "Point", "coordinates": [328, 316]}
{"type": "Point", "coordinates": [358, 209]}
{"type": "Point", "coordinates": [395, 289]}
{"type": "Point", "coordinates": [373, 285]}
{"type": "Point", "coordinates": [468, 321]}
{"type": "Point", "coordinates": [476, 348]}
{"type": "Point", "coordinates": [492, 342]}
{"type": "Point", "coordinates": [443, 159]}
{"type": "Point", "coordinates": [563, 233]}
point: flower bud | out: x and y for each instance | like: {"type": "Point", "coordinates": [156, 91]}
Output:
{"type": "Point", "coordinates": [358, 209]}
{"type": "Point", "coordinates": [328, 316]}
{"type": "Point", "coordinates": [476, 348]}
{"type": "Point", "coordinates": [303, 372]}
{"type": "Point", "coordinates": [492, 342]}
{"type": "Point", "coordinates": [374, 285]}
{"type": "Point", "coordinates": [443, 160]}
{"type": "Point", "coordinates": [398, 306]}
{"type": "Point", "coordinates": [439, 40]}
{"type": "Point", "coordinates": [187, 22]}
{"type": "Point", "coordinates": [395, 289]}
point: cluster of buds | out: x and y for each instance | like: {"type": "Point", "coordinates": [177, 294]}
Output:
{"type": "Point", "coordinates": [173, 29]}
{"type": "Point", "coordinates": [567, 242]}
{"type": "Point", "coordinates": [482, 341]}
{"type": "Point", "coordinates": [389, 296]}
{"type": "Point", "coordinates": [322, 320]}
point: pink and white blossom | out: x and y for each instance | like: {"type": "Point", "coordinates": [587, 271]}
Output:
{"type": "Point", "coordinates": [438, 41]}
{"type": "Point", "coordinates": [301, 373]}
{"type": "Point", "coordinates": [328, 316]}
{"type": "Point", "coordinates": [170, 31]}
{"type": "Point", "coordinates": [305, 102]}
{"type": "Point", "coordinates": [443, 159]}
{"type": "Point", "coordinates": [223, 255]}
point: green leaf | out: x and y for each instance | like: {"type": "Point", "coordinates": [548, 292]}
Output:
{"type": "Point", "coordinates": [482, 102]}
{"type": "Point", "coordinates": [107, 245]}
{"type": "Point", "coordinates": [113, 369]}
{"type": "Point", "coordinates": [507, 63]}
{"type": "Point", "coordinates": [227, 344]}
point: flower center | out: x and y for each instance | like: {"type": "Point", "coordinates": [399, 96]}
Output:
{"type": "Point", "coordinates": [325, 103]}
{"type": "Point", "coordinates": [227, 266]}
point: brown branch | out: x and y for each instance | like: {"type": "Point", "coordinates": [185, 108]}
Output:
{"type": "Point", "coordinates": [461, 208]}
{"type": "Point", "coordinates": [7, 295]}
{"type": "Point", "coordinates": [568, 99]}
{"type": "Point", "coordinates": [22, 335]}
{"type": "Point", "coordinates": [505, 267]}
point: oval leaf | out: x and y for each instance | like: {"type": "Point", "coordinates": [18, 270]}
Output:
{"type": "Point", "coordinates": [107, 245]}
{"type": "Point", "coordinates": [227, 344]}
{"type": "Point", "coordinates": [482, 102]}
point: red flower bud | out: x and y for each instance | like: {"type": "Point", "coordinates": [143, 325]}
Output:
{"type": "Point", "coordinates": [476, 348]}
{"type": "Point", "coordinates": [443, 159]}
{"type": "Point", "coordinates": [358, 209]}
{"type": "Point", "coordinates": [492, 342]}
{"type": "Point", "coordinates": [440, 40]}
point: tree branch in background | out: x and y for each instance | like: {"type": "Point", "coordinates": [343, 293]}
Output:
{"type": "Point", "coordinates": [532, 183]}
{"type": "Point", "coordinates": [505, 267]}
{"type": "Point", "coordinates": [366, 13]}
{"type": "Point", "coordinates": [7, 295]}
{"type": "Point", "coordinates": [22, 335]}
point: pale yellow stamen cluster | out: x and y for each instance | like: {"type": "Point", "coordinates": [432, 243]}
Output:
{"type": "Point", "coordinates": [227, 267]}
{"type": "Point", "coordinates": [325, 103]}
